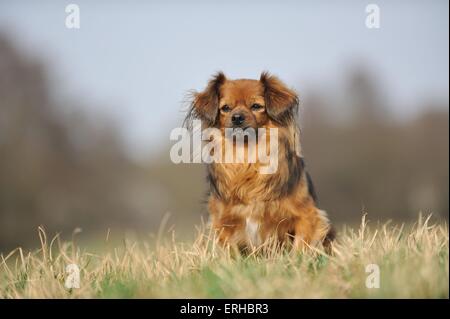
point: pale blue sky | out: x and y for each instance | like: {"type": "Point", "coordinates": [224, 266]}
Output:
{"type": "Point", "coordinates": [136, 61]}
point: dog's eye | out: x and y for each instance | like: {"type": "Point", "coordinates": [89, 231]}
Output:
{"type": "Point", "coordinates": [256, 107]}
{"type": "Point", "coordinates": [225, 108]}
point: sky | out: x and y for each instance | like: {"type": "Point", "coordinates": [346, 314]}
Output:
{"type": "Point", "coordinates": [135, 61]}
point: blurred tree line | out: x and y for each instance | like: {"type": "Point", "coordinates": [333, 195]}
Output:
{"type": "Point", "coordinates": [59, 168]}
{"type": "Point", "coordinates": [67, 169]}
{"type": "Point", "coordinates": [372, 162]}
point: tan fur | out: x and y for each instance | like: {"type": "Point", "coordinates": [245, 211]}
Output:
{"type": "Point", "coordinates": [247, 207]}
{"type": "Point", "coordinates": [247, 197]}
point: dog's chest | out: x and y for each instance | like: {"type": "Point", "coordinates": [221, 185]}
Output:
{"type": "Point", "coordinates": [252, 216]}
{"type": "Point", "coordinates": [241, 182]}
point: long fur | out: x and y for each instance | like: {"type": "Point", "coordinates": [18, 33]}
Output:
{"type": "Point", "coordinates": [246, 207]}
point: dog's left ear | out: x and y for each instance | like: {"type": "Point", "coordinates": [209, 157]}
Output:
{"type": "Point", "coordinates": [281, 102]}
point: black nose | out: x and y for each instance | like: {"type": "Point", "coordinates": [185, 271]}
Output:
{"type": "Point", "coordinates": [237, 119]}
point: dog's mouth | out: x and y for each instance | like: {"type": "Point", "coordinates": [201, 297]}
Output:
{"type": "Point", "coordinates": [241, 127]}
{"type": "Point", "coordinates": [248, 133]}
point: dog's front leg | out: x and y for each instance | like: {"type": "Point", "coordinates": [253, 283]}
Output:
{"type": "Point", "coordinates": [311, 230]}
{"type": "Point", "coordinates": [229, 229]}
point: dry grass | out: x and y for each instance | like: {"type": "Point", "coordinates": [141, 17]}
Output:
{"type": "Point", "coordinates": [413, 262]}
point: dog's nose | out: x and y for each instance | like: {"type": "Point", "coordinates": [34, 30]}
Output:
{"type": "Point", "coordinates": [237, 119]}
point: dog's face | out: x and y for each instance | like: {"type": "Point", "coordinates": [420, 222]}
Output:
{"type": "Point", "coordinates": [245, 103]}
{"type": "Point", "coordinates": [242, 104]}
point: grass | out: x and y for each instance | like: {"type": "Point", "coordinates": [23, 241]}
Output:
{"type": "Point", "coordinates": [413, 262]}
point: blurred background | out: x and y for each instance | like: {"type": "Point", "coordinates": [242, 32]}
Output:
{"type": "Point", "coordinates": [85, 114]}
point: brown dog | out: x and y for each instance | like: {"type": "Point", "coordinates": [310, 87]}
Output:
{"type": "Point", "coordinates": [247, 207]}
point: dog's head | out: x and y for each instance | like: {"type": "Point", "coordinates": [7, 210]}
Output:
{"type": "Point", "coordinates": [244, 103]}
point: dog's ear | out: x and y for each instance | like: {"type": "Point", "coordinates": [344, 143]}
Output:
{"type": "Point", "coordinates": [281, 102]}
{"type": "Point", "coordinates": [205, 104]}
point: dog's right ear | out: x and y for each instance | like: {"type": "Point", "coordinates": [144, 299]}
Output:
{"type": "Point", "coordinates": [205, 104]}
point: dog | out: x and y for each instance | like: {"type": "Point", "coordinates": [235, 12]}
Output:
{"type": "Point", "coordinates": [248, 208]}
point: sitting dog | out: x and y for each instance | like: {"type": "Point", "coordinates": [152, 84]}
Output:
{"type": "Point", "coordinates": [247, 207]}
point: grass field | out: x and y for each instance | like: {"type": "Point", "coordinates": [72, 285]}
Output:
{"type": "Point", "coordinates": [413, 262]}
